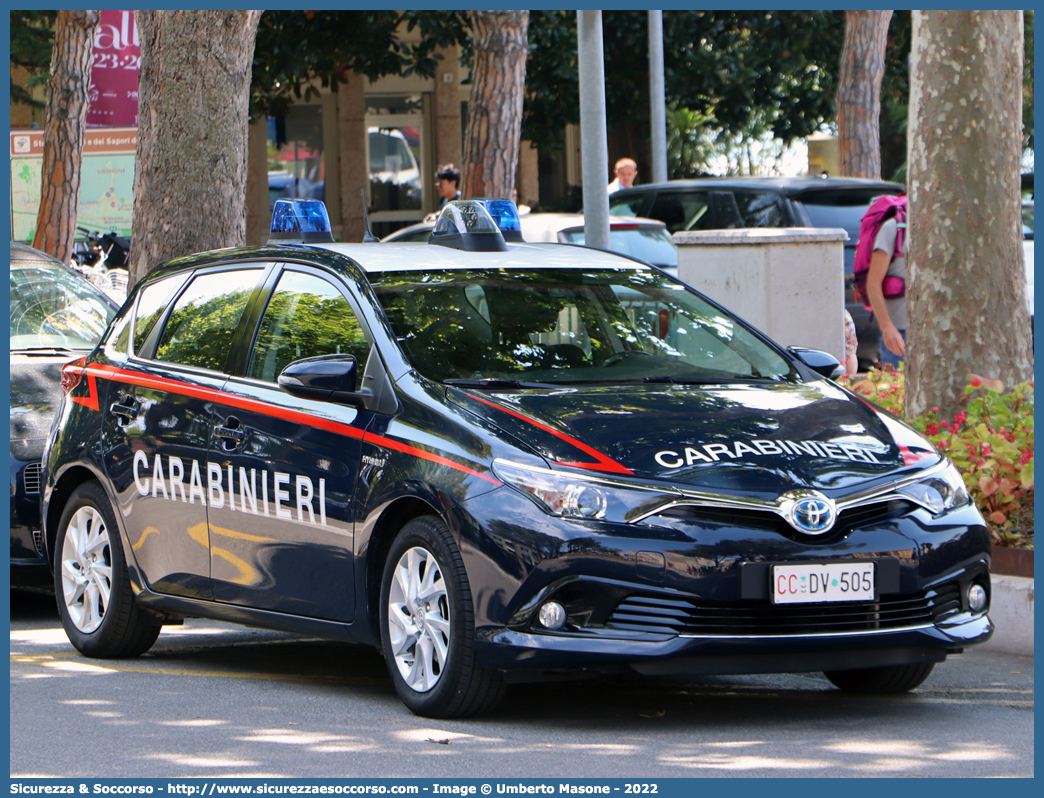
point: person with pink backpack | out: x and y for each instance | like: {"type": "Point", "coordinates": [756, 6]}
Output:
{"type": "Point", "coordinates": [880, 272]}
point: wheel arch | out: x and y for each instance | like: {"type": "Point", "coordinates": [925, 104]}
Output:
{"type": "Point", "coordinates": [69, 481]}
{"type": "Point", "coordinates": [393, 517]}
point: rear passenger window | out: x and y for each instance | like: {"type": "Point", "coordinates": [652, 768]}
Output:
{"type": "Point", "coordinates": [307, 317]}
{"type": "Point", "coordinates": [200, 328]}
{"type": "Point", "coordinates": [626, 206]}
{"type": "Point", "coordinates": [153, 300]}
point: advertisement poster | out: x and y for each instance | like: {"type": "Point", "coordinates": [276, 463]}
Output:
{"type": "Point", "coordinates": [106, 183]}
{"type": "Point", "coordinates": [115, 65]}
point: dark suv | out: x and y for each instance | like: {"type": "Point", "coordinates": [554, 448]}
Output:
{"type": "Point", "coordinates": [722, 203]}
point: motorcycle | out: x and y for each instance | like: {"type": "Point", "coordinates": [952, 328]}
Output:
{"type": "Point", "coordinates": [103, 258]}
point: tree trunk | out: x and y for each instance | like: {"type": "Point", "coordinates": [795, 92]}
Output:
{"type": "Point", "coordinates": [494, 127]}
{"type": "Point", "coordinates": [191, 167]}
{"type": "Point", "coordinates": [859, 93]}
{"type": "Point", "coordinates": [67, 99]}
{"type": "Point", "coordinates": [966, 288]}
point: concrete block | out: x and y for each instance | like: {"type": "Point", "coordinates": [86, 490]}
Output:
{"type": "Point", "coordinates": [788, 282]}
{"type": "Point", "coordinates": [1011, 610]}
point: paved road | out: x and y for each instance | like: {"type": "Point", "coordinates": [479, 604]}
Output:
{"type": "Point", "coordinates": [214, 700]}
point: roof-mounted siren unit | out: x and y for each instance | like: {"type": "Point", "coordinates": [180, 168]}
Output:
{"type": "Point", "coordinates": [300, 221]}
{"type": "Point", "coordinates": [477, 225]}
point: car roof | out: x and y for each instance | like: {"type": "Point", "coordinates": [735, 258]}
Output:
{"type": "Point", "coordinates": [393, 256]}
{"type": "Point", "coordinates": [789, 186]}
{"type": "Point", "coordinates": [24, 255]}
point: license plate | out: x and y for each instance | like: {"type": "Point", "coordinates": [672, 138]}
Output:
{"type": "Point", "coordinates": [805, 584]}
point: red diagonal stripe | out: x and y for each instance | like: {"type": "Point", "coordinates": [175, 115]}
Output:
{"type": "Point", "coordinates": [604, 463]}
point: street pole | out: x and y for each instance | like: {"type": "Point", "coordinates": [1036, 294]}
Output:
{"type": "Point", "coordinates": [594, 146]}
{"type": "Point", "coordinates": [657, 98]}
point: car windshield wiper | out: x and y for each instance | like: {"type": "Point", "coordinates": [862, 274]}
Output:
{"type": "Point", "coordinates": [494, 383]}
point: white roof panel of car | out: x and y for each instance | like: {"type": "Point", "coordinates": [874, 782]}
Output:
{"type": "Point", "coordinates": [393, 257]}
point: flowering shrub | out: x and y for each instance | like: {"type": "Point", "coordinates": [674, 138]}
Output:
{"type": "Point", "coordinates": [990, 441]}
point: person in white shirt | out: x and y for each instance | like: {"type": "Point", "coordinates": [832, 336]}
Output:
{"type": "Point", "coordinates": [626, 171]}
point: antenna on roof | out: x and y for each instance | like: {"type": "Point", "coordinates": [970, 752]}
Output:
{"type": "Point", "coordinates": [369, 238]}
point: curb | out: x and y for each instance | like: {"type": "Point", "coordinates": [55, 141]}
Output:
{"type": "Point", "coordinates": [1011, 610]}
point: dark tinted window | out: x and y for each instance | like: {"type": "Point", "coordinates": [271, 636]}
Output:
{"type": "Point", "coordinates": [307, 317]}
{"type": "Point", "coordinates": [759, 209]}
{"type": "Point", "coordinates": [153, 300]}
{"type": "Point", "coordinates": [199, 330]}
{"type": "Point", "coordinates": [682, 210]}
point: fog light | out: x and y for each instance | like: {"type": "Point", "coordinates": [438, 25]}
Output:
{"type": "Point", "coordinates": [552, 615]}
{"type": "Point", "coordinates": [976, 598]}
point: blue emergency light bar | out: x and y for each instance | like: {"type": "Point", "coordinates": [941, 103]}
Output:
{"type": "Point", "coordinates": [477, 225]}
{"type": "Point", "coordinates": [300, 221]}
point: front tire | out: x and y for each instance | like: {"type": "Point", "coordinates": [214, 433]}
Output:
{"type": "Point", "coordinates": [91, 582]}
{"type": "Point", "coordinates": [428, 626]}
{"type": "Point", "coordinates": [882, 681]}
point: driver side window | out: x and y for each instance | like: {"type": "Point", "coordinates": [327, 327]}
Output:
{"type": "Point", "coordinates": [306, 317]}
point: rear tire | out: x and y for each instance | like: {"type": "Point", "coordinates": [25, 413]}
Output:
{"type": "Point", "coordinates": [92, 584]}
{"type": "Point", "coordinates": [428, 626]}
{"type": "Point", "coordinates": [882, 681]}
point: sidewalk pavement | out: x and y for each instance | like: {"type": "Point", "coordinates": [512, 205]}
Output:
{"type": "Point", "coordinates": [1011, 610]}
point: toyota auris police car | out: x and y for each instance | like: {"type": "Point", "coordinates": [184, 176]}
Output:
{"type": "Point", "coordinates": [487, 456]}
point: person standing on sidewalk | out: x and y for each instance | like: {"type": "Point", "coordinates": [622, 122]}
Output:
{"type": "Point", "coordinates": [447, 183]}
{"type": "Point", "coordinates": [889, 312]}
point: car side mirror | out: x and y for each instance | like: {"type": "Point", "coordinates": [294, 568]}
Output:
{"type": "Point", "coordinates": [820, 362]}
{"type": "Point", "coordinates": [327, 378]}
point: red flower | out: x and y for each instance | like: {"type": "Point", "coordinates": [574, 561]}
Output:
{"type": "Point", "coordinates": [976, 383]}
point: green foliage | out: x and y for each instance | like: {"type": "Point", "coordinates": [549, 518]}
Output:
{"type": "Point", "coordinates": [990, 441]}
{"type": "Point", "coordinates": [32, 36]}
{"type": "Point", "coordinates": [294, 48]}
{"type": "Point", "coordinates": [689, 146]}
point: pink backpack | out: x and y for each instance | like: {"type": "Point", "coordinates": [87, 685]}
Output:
{"type": "Point", "coordinates": [881, 210]}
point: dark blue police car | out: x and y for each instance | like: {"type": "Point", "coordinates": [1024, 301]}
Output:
{"type": "Point", "coordinates": [488, 457]}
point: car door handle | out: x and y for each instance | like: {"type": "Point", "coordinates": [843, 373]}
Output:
{"type": "Point", "coordinates": [231, 433]}
{"type": "Point", "coordinates": [125, 409]}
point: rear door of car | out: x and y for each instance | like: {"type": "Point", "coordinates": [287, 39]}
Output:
{"type": "Point", "coordinates": [157, 419]}
{"type": "Point", "coordinates": [281, 531]}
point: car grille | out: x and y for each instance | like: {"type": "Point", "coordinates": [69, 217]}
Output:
{"type": "Point", "coordinates": [659, 614]}
{"type": "Point", "coordinates": [31, 478]}
{"type": "Point", "coordinates": [848, 519]}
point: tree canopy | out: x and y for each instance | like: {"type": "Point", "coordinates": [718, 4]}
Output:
{"type": "Point", "coordinates": [32, 37]}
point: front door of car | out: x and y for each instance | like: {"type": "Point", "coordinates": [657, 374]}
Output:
{"type": "Point", "coordinates": [281, 531]}
{"type": "Point", "coordinates": [157, 421]}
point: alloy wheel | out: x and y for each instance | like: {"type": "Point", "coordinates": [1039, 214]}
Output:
{"type": "Point", "coordinates": [86, 569]}
{"type": "Point", "coordinates": [419, 623]}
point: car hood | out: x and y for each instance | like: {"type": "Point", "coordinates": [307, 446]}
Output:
{"type": "Point", "coordinates": [36, 392]}
{"type": "Point", "coordinates": [755, 439]}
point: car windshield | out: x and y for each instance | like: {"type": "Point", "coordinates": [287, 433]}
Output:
{"type": "Point", "coordinates": [569, 326]}
{"type": "Point", "coordinates": [52, 308]}
{"type": "Point", "coordinates": [652, 244]}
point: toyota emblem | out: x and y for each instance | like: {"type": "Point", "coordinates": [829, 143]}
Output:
{"type": "Point", "coordinates": [811, 513]}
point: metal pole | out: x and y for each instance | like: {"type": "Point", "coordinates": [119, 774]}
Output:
{"type": "Point", "coordinates": [657, 98]}
{"type": "Point", "coordinates": [594, 146]}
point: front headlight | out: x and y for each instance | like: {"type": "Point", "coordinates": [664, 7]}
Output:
{"type": "Point", "coordinates": [940, 491]}
{"type": "Point", "coordinates": [581, 496]}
